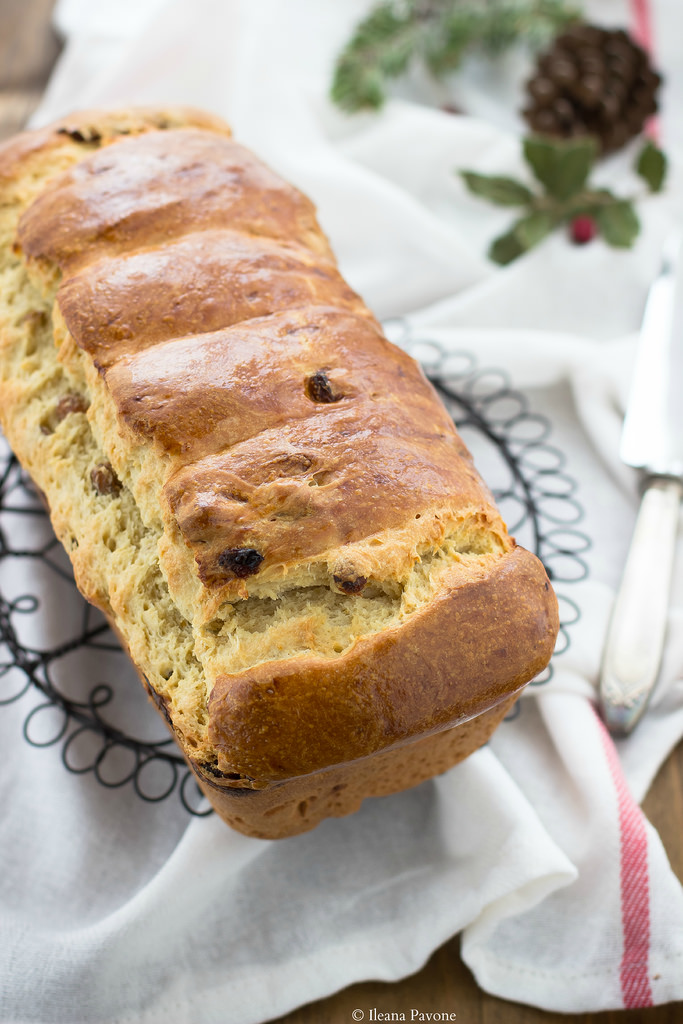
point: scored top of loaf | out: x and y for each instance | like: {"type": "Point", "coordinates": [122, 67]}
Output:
{"type": "Point", "coordinates": [285, 430]}
{"type": "Point", "coordinates": [301, 519]}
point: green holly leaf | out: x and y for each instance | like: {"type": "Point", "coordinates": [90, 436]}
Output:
{"type": "Point", "coordinates": [599, 197]}
{"type": "Point", "coordinates": [591, 201]}
{"type": "Point", "coordinates": [652, 166]}
{"type": "Point", "coordinates": [500, 190]}
{"type": "Point", "coordinates": [533, 228]}
{"type": "Point", "coordinates": [618, 223]}
{"type": "Point", "coordinates": [505, 248]}
{"type": "Point", "coordinates": [524, 235]}
{"type": "Point", "coordinates": [562, 166]}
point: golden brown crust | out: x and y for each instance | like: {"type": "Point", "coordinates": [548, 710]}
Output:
{"type": "Point", "coordinates": [70, 138]}
{"type": "Point", "coordinates": [475, 645]}
{"type": "Point", "coordinates": [198, 396]}
{"type": "Point", "coordinates": [313, 486]}
{"type": "Point", "coordinates": [194, 284]}
{"type": "Point", "coordinates": [270, 469]}
{"type": "Point", "coordinates": [146, 189]}
{"type": "Point", "coordinates": [298, 805]}
{"type": "Point", "coordinates": [284, 434]}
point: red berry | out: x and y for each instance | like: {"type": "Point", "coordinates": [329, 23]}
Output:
{"type": "Point", "coordinates": [583, 229]}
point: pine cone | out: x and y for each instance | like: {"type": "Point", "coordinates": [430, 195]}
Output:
{"type": "Point", "coordinates": [592, 81]}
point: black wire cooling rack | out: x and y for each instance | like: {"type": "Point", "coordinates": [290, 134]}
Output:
{"type": "Point", "coordinates": [58, 649]}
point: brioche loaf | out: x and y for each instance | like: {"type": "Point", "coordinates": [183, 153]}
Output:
{"type": "Point", "coordinates": [263, 495]}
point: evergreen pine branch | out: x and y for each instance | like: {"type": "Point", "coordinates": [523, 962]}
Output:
{"type": "Point", "coordinates": [437, 33]}
{"type": "Point", "coordinates": [380, 48]}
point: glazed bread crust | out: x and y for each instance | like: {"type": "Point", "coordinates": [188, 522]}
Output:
{"type": "Point", "coordinates": [404, 682]}
{"type": "Point", "coordinates": [264, 496]}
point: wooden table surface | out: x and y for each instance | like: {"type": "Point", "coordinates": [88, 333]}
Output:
{"type": "Point", "coordinates": [28, 49]}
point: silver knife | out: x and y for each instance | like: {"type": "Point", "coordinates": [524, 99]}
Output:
{"type": "Point", "coordinates": [651, 441]}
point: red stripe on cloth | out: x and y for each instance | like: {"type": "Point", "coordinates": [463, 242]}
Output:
{"type": "Point", "coordinates": [643, 34]}
{"type": "Point", "coordinates": [635, 886]}
{"type": "Point", "coordinates": [641, 16]}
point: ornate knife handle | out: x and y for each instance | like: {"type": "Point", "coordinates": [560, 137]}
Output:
{"type": "Point", "coordinates": [635, 638]}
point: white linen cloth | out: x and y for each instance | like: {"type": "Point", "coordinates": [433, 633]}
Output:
{"type": "Point", "coordinates": [535, 849]}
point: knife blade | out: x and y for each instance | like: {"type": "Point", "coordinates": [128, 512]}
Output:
{"type": "Point", "coordinates": [651, 442]}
